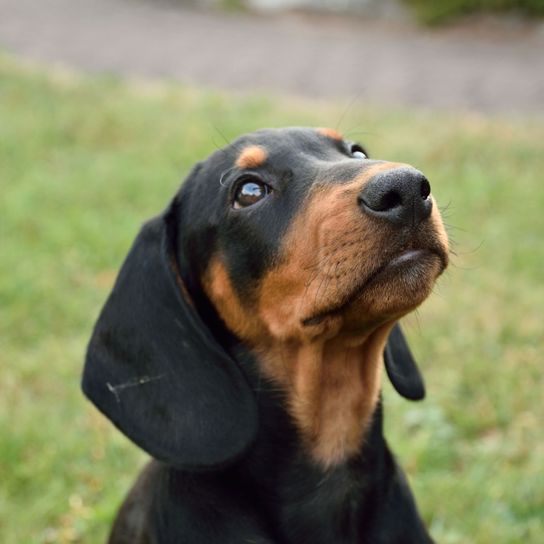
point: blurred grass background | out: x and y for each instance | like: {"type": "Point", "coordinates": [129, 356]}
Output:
{"type": "Point", "coordinates": [435, 12]}
{"type": "Point", "coordinates": [84, 161]}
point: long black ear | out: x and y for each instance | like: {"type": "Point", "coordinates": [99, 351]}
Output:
{"type": "Point", "coordinates": [401, 366]}
{"type": "Point", "coordinates": [156, 371]}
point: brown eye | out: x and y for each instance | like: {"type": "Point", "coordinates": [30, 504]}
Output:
{"type": "Point", "coordinates": [250, 192]}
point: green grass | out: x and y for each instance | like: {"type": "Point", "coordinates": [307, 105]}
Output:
{"type": "Point", "coordinates": [435, 12]}
{"type": "Point", "coordinates": [84, 161]}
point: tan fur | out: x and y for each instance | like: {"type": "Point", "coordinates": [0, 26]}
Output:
{"type": "Point", "coordinates": [251, 156]}
{"type": "Point", "coordinates": [333, 386]}
{"type": "Point", "coordinates": [330, 366]}
{"type": "Point", "coordinates": [330, 133]}
{"type": "Point", "coordinates": [219, 289]}
{"type": "Point", "coordinates": [439, 228]}
{"type": "Point", "coordinates": [329, 246]}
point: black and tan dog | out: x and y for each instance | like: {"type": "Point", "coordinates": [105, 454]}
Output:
{"type": "Point", "coordinates": [242, 346]}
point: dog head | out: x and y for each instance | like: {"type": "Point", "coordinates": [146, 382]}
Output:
{"type": "Point", "coordinates": [303, 248]}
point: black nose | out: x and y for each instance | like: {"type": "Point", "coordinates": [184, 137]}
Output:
{"type": "Point", "coordinates": [400, 196]}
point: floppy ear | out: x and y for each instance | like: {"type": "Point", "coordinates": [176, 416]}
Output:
{"type": "Point", "coordinates": [156, 371]}
{"type": "Point", "coordinates": [401, 366]}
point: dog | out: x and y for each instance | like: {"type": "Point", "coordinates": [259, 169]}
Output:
{"type": "Point", "coordinates": [242, 346]}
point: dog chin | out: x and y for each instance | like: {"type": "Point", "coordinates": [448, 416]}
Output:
{"type": "Point", "coordinates": [392, 291]}
{"type": "Point", "coordinates": [400, 287]}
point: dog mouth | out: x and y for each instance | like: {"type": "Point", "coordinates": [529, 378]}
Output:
{"type": "Point", "coordinates": [408, 267]}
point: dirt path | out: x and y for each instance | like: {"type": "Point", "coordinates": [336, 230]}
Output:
{"type": "Point", "coordinates": [470, 69]}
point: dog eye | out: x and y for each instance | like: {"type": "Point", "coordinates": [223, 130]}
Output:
{"type": "Point", "coordinates": [250, 192]}
{"type": "Point", "coordinates": [357, 152]}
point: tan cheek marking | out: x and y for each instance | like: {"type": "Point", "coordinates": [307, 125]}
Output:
{"type": "Point", "coordinates": [252, 156]}
{"type": "Point", "coordinates": [218, 287]}
{"type": "Point", "coordinates": [330, 133]}
{"type": "Point", "coordinates": [288, 289]}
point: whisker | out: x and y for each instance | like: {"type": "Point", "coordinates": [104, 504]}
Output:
{"type": "Point", "coordinates": [347, 108]}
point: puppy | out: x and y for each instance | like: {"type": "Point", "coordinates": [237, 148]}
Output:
{"type": "Point", "coordinates": [242, 346]}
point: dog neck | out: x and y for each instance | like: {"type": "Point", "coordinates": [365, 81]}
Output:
{"type": "Point", "coordinates": [320, 441]}
{"type": "Point", "coordinates": [332, 387]}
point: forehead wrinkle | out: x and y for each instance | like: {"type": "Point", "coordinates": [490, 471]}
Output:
{"type": "Point", "coordinates": [251, 156]}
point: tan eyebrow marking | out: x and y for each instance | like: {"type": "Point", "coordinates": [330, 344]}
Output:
{"type": "Point", "coordinates": [330, 133]}
{"type": "Point", "coordinates": [251, 157]}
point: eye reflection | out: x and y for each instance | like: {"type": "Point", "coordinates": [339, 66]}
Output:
{"type": "Point", "coordinates": [249, 193]}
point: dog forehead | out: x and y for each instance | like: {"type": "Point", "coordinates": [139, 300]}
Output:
{"type": "Point", "coordinates": [292, 146]}
{"type": "Point", "coordinates": [304, 155]}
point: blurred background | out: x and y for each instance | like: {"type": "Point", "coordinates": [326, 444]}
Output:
{"type": "Point", "coordinates": [104, 107]}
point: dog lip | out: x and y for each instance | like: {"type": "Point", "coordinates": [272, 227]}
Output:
{"type": "Point", "coordinates": [412, 255]}
{"type": "Point", "coordinates": [409, 255]}
{"type": "Point", "coordinates": [399, 261]}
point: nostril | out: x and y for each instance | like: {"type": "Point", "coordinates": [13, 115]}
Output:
{"type": "Point", "coordinates": [425, 189]}
{"type": "Point", "coordinates": [378, 200]}
{"type": "Point", "coordinates": [390, 200]}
